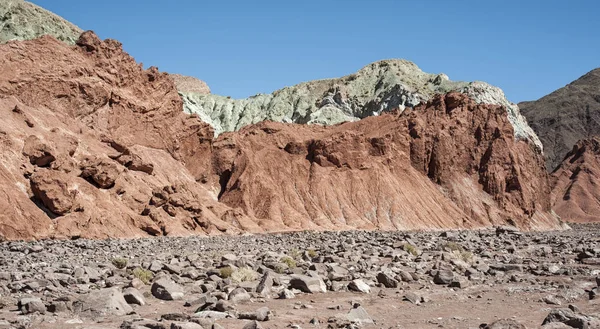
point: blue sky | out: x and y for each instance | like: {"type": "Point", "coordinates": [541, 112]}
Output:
{"type": "Point", "coordinates": [528, 48]}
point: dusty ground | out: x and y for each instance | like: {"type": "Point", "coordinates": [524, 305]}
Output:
{"type": "Point", "coordinates": [551, 267]}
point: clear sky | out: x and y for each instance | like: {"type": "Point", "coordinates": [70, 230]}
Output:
{"type": "Point", "coordinates": [528, 48]}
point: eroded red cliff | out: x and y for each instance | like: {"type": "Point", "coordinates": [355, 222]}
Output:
{"type": "Point", "coordinates": [93, 145]}
{"type": "Point", "coordinates": [576, 187]}
{"type": "Point", "coordinates": [449, 163]}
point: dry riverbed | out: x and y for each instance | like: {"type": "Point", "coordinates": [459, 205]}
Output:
{"type": "Point", "coordinates": [467, 279]}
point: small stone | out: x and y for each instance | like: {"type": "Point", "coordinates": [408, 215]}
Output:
{"type": "Point", "coordinates": [253, 325]}
{"type": "Point", "coordinates": [185, 325]}
{"type": "Point", "coordinates": [224, 306]}
{"type": "Point", "coordinates": [263, 314]}
{"type": "Point", "coordinates": [307, 284]}
{"type": "Point", "coordinates": [286, 294]}
{"type": "Point", "coordinates": [155, 266]}
{"type": "Point", "coordinates": [460, 283]}
{"type": "Point", "coordinates": [57, 307]}
{"type": "Point", "coordinates": [553, 269]}
{"type": "Point", "coordinates": [178, 317]}
{"type": "Point", "coordinates": [266, 283]}
{"type": "Point", "coordinates": [359, 286]}
{"type": "Point", "coordinates": [172, 268]}
{"type": "Point", "coordinates": [211, 315]}
{"type": "Point", "coordinates": [360, 315]}
{"type": "Point", "coordinates": [387, 280]}
{"type": "Point", "coordinates": [412, 297]}
{"type": "Point", "coordinates": [505, 324]}
{"type": "Point", "coordinates": [551, 300]}
{"type": "Point", "coordinates": [443, 276]}
{"type": "Point", "coordinates": [229, 257]}
{"type": "Point", "coordinates": [166, 289]}
{"type": "Point", "coordinates": [239, 295]}
{"type": "Point", "coordinates": [406, 277]}
{"type": "Point", "coordinates": [136, 283]}
{"type": "Point", "coordinates": [134, 296]}
{"type": "Point", "coordinates": [31, 305]}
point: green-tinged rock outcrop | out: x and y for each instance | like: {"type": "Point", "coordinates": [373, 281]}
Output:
{"type": "Point", "coordinates": [22, 20]}
{"type": "Point", "coordinates": [378, 87]}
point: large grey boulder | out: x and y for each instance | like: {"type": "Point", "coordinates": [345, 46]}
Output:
{"type": "Point", "coordinates": [307, 284]}
{"type": "Point", "coordinates": [103, 302]}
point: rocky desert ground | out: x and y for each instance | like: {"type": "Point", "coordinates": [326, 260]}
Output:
{"type": "Point", "coordinates": [388, 198]}
{"type": "Point", "coordinates": [498, 278]}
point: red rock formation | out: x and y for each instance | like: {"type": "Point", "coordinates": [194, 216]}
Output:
{"type": "Point", "coordinates": [88, 136]}
{"type": "Point", "coordinates": [576, 185]}
{"type": "Point", "coordinates": [95, 146]}
{"type": "Point", "coordinates": [188, 84]}
{"type": "Point", "coordinates": [446, 164]}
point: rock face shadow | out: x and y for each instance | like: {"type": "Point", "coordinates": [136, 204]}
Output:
{"type": "Point", "coordinates": [43, 208]}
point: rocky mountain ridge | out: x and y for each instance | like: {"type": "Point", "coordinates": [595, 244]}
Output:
{"type": "Point", "coordinates": [95, 146]}
{"type": "Point", "coordinates": [568, 123]}
{"type": "Point", "coordinates": [22, 20]}
{"type": "Point", "coordinates": [377, 88]}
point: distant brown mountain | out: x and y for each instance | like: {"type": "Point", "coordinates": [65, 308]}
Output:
{"type": "Point", "coordinates": [566, 116]}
